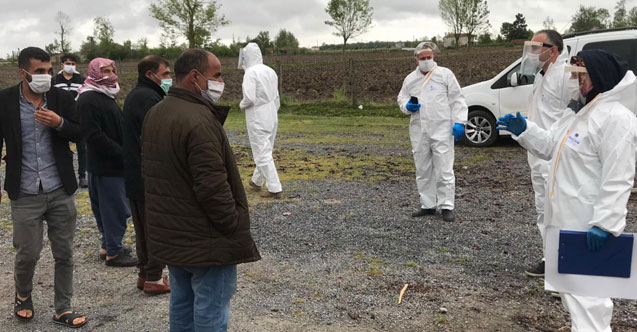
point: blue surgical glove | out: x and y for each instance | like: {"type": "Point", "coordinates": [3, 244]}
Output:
{"type": "Point", "coordinates": [458, 131]}
{"type": "Point", "coordinates": [595, 238]}
{"type": "Point", "coordinates": [512, 123]}
{"type": "Point", "coordinates": [412, 107]}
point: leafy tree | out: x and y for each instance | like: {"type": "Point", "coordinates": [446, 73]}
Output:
{"type": "Point", "coordinates": [632, 17]}
{"type": "Point", "coordinates": [485, 39]}
{"type": "Point", "coordinates": [620, 19]}
{"type": "Point", "coordinates": [548, 23]}
{"type": "Point", "coordinates": [515, 30]}
{"type": "Point", "coordinates": [454, 14]}
{"type": "Point", "coordinates": [590, 18]}
{"type": "Point", "coordinates": [195, 20]}
{"type": "Point", "coordinates": [285, 42]}
{"type": "Point", "coordinates": [263, 40]}
{"type": "Point", "coordinates": [477, 18]}
{"type": "Point", "coordinates": [90, 48]}
{"type": "Point", "coordinates": [350, 18]}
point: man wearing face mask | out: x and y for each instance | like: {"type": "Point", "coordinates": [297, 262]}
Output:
{"type": "Point", "coordinates": [551, 94]}
{"type": "Point", "coordinates": [196, 206]}
{"type": "Point", "coordinates": [592, 153]}
{"type": "Point", "coordinates": [432, 96]}
{"type": "Point", "coordinates": [69, 79]}
{"type": "Point", "coordinates": [102, 119]}
{"type": "Point", "coordinates": [153, 83]}
{"type": "Point", "coordinates": [37, 123]}
{"type": "Point", "coordinates": [260, 103]}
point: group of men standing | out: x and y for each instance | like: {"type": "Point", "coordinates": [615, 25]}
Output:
{"type": "Point", "coordinates": [166, 160]}
{"type": "Point", "coordinates": [184, 191]}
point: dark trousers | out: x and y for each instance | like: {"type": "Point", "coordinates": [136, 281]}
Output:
{"type": "Point", "coordinates": [28, 214]}
{"type": "Point", "coordinates": [81, 159]}
{"type": "Point", "coordinates": [149, 269]}
{"type": "Point", "coordinates": [110, 208]}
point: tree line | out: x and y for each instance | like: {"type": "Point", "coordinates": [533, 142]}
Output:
{"type": "Point", "coordinates": [470, 18]}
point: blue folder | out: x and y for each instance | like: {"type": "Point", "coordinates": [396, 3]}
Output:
{"type": "Point", "coordinates": [612, 260]}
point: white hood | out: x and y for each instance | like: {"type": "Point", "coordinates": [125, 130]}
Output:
{"type": "Point", "coordinates": [250, 56]}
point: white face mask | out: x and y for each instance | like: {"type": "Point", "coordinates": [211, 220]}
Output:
{"type": "Point", "coordinates": [426, 65]}
{"type": "Point", "coordinates": [573, 89]}
{"type": "Point", "coordinates": [531, 63]}
{"type": "Point", "coordinates": [40, 83]}
{"type": "Point", "coordinates": [214, 91]}
{"type": "Point", "coordinates": [69, 69]}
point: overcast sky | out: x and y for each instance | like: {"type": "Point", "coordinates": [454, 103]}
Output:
{"type": "Point", "coordinates": [32, 22]}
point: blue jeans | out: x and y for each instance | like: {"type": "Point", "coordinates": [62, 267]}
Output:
{"type": "Point", "coordinates": [200, 298]}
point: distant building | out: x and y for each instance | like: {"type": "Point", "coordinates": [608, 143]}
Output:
{"type": "Point", "coordinates": [315, 49]}
{"type": "Point", "coordinates": [399, 45]}
{"type": "Point", "coordinates": [450, 40]}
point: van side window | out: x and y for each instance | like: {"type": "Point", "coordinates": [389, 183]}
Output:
{"type": "Point", "coordinates": [505, 80]}
{"type": "Point", "coordinates": [626, 48]}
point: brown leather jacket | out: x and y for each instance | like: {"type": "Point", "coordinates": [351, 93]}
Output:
{"type": "Point", "coordinates": [196, 207]}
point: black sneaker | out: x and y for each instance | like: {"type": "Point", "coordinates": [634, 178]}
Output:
{"type": "Point", "coordinates": [423, 212]}
{"type": "Point", "coordinates": [83, 183]}
{"type": "Point", "coordinates": [448, 215]}
{"type": "Point", "coordinates": [537, 271]}
{"type": "Point", "coordinates": [126, 250]}
{"type": "Point", "coordinates": [122, 260]}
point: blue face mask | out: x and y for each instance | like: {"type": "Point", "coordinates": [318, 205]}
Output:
{"type": "Point", "coordinates": [166, 83]}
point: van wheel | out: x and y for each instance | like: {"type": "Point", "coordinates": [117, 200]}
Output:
{"type": "Point", "coordinates": [480, 129]}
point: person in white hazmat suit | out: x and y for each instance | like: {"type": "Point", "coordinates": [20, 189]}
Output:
{"type": "Point", "coordinates": [432, 96]}
{"type": "Point", "coordinates": [592, 153]}
{"type": "Point", "coordinates": [260, 103]}
{"type": "Point", "coordinates": [545, 53]}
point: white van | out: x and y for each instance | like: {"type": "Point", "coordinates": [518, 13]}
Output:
{"type": "Point", "coordinates": [500, 95]}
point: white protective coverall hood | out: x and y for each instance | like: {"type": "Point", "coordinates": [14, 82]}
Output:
{"type": "Point", "coordinates": [547, 105]}
{"type": "Point", "coordinates": [430, 131]}
{"type": "Point", "coordinates": [592, 170]}
{"type": "Point", "coordinates": [261, 103]}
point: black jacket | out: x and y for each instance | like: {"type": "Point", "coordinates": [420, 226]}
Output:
{"type": "Point", "coordinates": [59, 81]}
{"type": "Point", "coordinates": [102, 118]}
{"type": "Point", "coordinates": [59, 101]}
{"type": "Point", "coordinates": [144, 96]}
{"type": "Point", "coordinates": [196, 207]}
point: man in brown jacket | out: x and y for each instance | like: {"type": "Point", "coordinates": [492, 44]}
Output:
{"type": "Point", "coordinates": [195, 202]}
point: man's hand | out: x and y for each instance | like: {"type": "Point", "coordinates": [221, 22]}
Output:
{"type": "Point", "coordinates": [47, 118]}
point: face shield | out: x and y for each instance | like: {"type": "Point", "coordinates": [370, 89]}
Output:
{"type": "Point", "coordinates": [531, 62]}
{"type": "Point", "coordinates": [426, 46]}
{"type": "Point", "coordinates": [577, 81]}
{"type": "Point", "coordinates": [242, 60]}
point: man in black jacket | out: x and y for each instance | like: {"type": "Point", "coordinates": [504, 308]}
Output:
{"type": "Point", "coordinates": [37, 123]}
{"type": "Point", "coordinates": [152, 84]}
{"type": "Point", "coordinates": [102, 120]}
{"type": "Point", "coordinates": [70, 79]}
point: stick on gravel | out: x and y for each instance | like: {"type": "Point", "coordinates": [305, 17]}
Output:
{"type": "Point", "coordinates": [402, 292]}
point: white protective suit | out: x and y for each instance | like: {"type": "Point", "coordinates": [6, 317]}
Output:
{"type": "Point", "coordinates": [548, 103]}
{"type": "Point", "coordinates": [430, 130]}
{"type": "Point", "coordinates": [592, 170]}
{"type": "Point", "coordinates": [261, 103]}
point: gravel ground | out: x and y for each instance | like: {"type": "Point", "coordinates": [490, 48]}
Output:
{"type": "Point", "coordinates": [336, 255]}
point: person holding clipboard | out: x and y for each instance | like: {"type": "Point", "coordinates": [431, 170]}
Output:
{"type": "Point", "coordinates": [592, 153]}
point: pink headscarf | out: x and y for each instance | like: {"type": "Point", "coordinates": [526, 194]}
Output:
{"type": "Point", "coordinates": [97, 82]}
